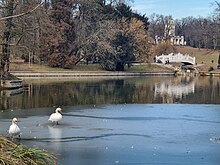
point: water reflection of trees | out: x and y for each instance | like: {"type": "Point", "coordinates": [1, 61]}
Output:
{"type": "Point", "coordinates": [73, 93]}
{"type": "Point", "coordinates": [116, 91]}
{"type": "Point", "coordinates": [207, 91]}
{"type": "Point", "coordinates": [7, 97]}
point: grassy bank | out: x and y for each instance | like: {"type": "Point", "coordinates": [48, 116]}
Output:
{"type": "Point", "coordinates": [40, 68]}
{"type": "Point", "coordinates": [14, 154]}
{"type": "Point", "coordinates": [83, 67]}
{"type": "Point", "coordinates": [152, 68]}
{"type": "Point", "coordinates": [204, 60]}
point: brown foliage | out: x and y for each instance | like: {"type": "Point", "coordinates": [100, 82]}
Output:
{"type": "Point", "coordinates": [164, 48]}
{"type": "Point", "coordinates": [141, 39]}
{"type": "Point", "coordinates": [61, 60]}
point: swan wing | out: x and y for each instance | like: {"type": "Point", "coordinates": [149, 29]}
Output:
{"type": "Point", "coordinates": [14, 130]}
{"type": "Point", "coordinates": [52, 116]}
{"type": "Point", "coordinates": [55, 117]}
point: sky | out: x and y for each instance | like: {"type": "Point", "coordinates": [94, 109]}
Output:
{"type": "Point", "coordinates": [177, 8]}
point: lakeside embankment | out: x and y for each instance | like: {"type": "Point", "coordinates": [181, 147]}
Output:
{"type": "Point", "coordinates": [93, 70]}
{"type": "Point", "coordinates": [87, 74]}
{"type": "Point", "coordinates": [72, 74]}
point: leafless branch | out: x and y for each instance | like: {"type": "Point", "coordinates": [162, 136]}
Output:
{"type": "Point", "coordinates": [22, 14]}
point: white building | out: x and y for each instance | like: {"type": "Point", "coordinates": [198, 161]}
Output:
{"type": "Point", "coordinates": [169, 32]}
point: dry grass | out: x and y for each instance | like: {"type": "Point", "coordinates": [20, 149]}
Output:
{"type": "Point", "coordinates": [152, 68]}
{"type": "Point", "coordinates": [92, 67]}
{"type": "Point", "coordinates": [13, 154]}
{"type": "Point", "coordinates": [41, 68]}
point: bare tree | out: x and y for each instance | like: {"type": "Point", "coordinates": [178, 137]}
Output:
{"type": "Point", "coordinates": [157, 25]}
{"type": "Point", "coordinates": [9, 8]}
{"type": "Point", "coordinates": [8, 11]}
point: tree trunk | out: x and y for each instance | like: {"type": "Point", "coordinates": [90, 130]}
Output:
{"type": "Point", "coordinates": [119, 66]}
{"type": "Point", "coordinates": [215, 43]}
{"type": "Point", "coordinates": [4, 65]}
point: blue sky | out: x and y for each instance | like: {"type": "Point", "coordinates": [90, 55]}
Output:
{"type": "Point", "coordinates": [177, 8]}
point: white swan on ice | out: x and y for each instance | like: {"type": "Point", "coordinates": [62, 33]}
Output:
{"type": "Point", "coordinates": [14, 130]}
{"type": "Point", "coordinates": [55, 117]}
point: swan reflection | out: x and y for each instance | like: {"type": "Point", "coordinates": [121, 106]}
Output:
{"type": "Point", "coordinates": [55, 133]}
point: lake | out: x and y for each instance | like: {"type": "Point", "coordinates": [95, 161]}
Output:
{"type": "Point", "coordinates": [136, 120]}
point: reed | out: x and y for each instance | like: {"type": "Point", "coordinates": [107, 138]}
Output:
{"type": "Point", "coordinates": [17, 154]}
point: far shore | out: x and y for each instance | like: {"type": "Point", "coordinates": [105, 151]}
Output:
{"type": "Point", "coordinates": [87, 74]}
{"type": "Point", "coordinates": [72, 74]}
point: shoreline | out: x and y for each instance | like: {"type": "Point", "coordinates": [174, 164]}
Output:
{"type": "Point", "coordinates": [78, 74]}
{"type": "Point", "coordinates": [86, 74]}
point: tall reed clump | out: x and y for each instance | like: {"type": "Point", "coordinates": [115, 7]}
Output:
{"type": "Point", "coordinates": [14, 154]}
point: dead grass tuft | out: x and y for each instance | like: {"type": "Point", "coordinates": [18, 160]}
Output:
{"type": "Point", "coordinates": [14, 154]}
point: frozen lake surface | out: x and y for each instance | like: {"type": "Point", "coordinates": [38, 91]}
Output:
{"type": "Point", "coordinates": [125, 134]}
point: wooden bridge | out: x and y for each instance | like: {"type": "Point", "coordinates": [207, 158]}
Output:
{"type": "Point", "coordinates": [176, 58]}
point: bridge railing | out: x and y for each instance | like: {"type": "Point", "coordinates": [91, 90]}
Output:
{"type": "Point", "coordinates": [176, 58]}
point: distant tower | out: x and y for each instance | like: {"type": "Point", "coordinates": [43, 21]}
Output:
{"type": "Point", "coordinates": [169, 30]}
{"type": "Point", "coordinates": [169, 34]}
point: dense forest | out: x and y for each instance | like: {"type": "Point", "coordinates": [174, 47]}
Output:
{"type": "Point", "coordinates": [62, 33]}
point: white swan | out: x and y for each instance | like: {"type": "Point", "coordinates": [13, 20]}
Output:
{"type": "Point", "coordinates": [55, 117]}
{"type": "Point", "coordinates": [14, 130]}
